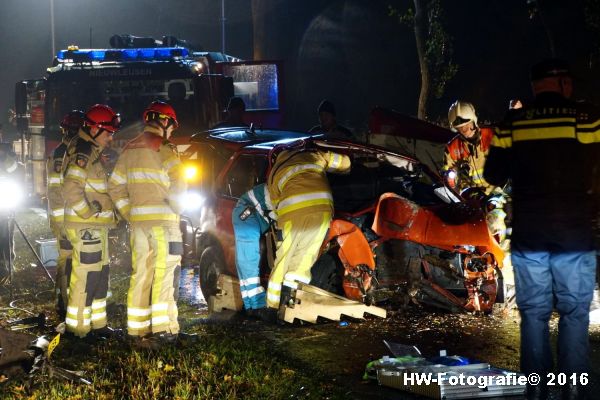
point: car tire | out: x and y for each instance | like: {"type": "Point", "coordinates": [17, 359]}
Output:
{"type": "Point", "coordinates": [210, 267]}
{"type": "Point", "coordinates": [326, 274]}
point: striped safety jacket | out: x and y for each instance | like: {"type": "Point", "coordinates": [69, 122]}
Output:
{"type": "Point", "coordinates": [474, 154]}
{"type": "Point", "coordinates": [148, 181]}
{"type": "Point", "coordinates": [298, 180]}
{"type": "Point", "coordinates": [85, 185]}
{"type": "Point", "coordinates": [550, 152]}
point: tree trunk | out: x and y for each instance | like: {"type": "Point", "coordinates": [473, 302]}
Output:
{"type": "Point", "coordinates": [259, 12]}
{"type": "Point", "coordinates": [420, 38]}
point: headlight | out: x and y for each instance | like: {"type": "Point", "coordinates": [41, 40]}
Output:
{"type": "Point", "coordinates": [190, 173]}
{"type": "Point", "coordinates": [11, 194]}
{"type": "Point", "coordinates": [192, 201]}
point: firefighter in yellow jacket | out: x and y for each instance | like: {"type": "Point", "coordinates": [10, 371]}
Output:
{"type": "Point", "coordinates": [88, 217]}
{"type": "Point", "coordinates": [300, 192]}
{"type": "Point", "coordinates": [70, 125]}
{"type": "Point", "coordinates": [146, 186]}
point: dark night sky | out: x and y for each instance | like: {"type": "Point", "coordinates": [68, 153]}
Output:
{"type": "Point", "coordinates": [349, 51]}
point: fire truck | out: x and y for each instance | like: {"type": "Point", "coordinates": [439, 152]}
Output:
{"type": "Point", "coordinates": [130, 75]}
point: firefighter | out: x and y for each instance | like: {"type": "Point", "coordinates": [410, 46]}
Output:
{"type": "Point", "coordinates": [465, 154]}
{"type": "Point", "coordinates": [251, 218]}
{"type": "Point", "coordinates": [70, 125]}
{"type": "Point", "coordinates": [553, 249]}
{"type": "Point", "coordinates": [146, 186]}
{"type": "Point", "coordinates": [328, 122]}
{"type": "Point", "coordinates": [300, 191]}
{"type": "Point", "coordinates": [465, 157]}
{"type": "Point", "coordinates": [88, 217]}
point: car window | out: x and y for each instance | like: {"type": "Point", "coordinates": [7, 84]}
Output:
{"type": "Point", "coordinates": [247, 171]}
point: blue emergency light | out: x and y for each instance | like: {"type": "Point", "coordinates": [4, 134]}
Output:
{"type": "Point", "coordinates": [141, 54]}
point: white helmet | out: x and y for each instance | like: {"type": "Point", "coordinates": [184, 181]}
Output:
{"type": "Point", "coordinates": [461, 113]}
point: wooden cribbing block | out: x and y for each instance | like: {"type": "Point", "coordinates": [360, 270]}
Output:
{"type": "Point", "coordinates": [228, 297]}
{"type": "Point", "coordinates": [311, 302]}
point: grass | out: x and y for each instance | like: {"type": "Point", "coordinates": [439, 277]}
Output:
{"type": "Point", "coordinates": [227, 363]}
{"type": "Point", "coordinates": [221, 366]}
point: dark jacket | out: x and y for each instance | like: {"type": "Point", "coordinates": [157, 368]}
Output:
{"type": "Point", "coordinates": [550, 151]}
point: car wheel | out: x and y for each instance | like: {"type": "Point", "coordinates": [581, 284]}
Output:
{"type": "Point", "coordinates": [211, 266]}
{"type": "Point", "coordinates": [326, 275]}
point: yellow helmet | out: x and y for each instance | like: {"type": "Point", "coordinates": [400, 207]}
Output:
{"type": "Point", "coordinates": [461, 113]}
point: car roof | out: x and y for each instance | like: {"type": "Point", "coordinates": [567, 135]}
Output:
{"type": "Point", "coordinates": [333, 145]}
{"type": "Point", "coordinates": [247, 136]}
{"type": "Point", "coordinates": [264, 140]}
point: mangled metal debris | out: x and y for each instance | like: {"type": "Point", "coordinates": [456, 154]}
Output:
{"type": "Point", "coordinates": [23, 355]}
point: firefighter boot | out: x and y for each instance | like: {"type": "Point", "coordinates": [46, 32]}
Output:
{"type": "Point", "coordinates": [187, 339]}
{"type": "Point", "coordinates": [107, 332]}
{"type": "Point", "coordinates": [265, 314]}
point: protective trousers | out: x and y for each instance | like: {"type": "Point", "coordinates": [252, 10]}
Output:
{"type": "Point", "coordinates": [88, 286]}
{"type": "Point", "coordinates": [64, 265]}
{"type": "Point", "coordinates": [546, 280]}
{"type": "Point", "coordinates": [303, 235]}
{"type": "Point", "coordinates": [247, 255]}
{"type": "Point", "coordinates": [151, 304]}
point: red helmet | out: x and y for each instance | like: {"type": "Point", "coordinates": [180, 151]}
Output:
{"type": "Point", "coordinates": [158, 110]}
{"type": "Point", "coordinates": [103, 117]}
{"type": "Point", "coordinates": [73, 121]}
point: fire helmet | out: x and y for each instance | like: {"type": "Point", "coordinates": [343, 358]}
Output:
{"type": "Point", "coordinates": [103, 117]}
{"type": "Point", "coordinates": [72, 121]}
{"type": "Point", "coordinates": [460, 114]}
{"type": "Point", "coordinates": [159, 110]}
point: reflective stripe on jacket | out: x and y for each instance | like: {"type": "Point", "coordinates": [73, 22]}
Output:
{"type": "Point", "coordinates": [298, 180]}
{"type": "Point", "coordinates": [550, 150]}
{"type": "Point", "coordinates": [84, 183]}
{"type": "Point", "coordinates": [147, 182]}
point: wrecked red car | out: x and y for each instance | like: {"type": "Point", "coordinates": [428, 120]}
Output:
{"type": "Point", "coordinates": [398, 232]}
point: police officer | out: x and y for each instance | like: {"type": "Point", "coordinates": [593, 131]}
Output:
{"type": "Point", "coordinates": [88, 217]}
{"type": "Point", "coordinates": [70, 125]}
{"type": "Point", "coordinates": [300, 191]}
{"type": "Point", "coordinates": [251, 217]}
{"type": "Point", "coordinates": [549, 149]}
{"type": "Point", "coordinates": [146, 186]}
